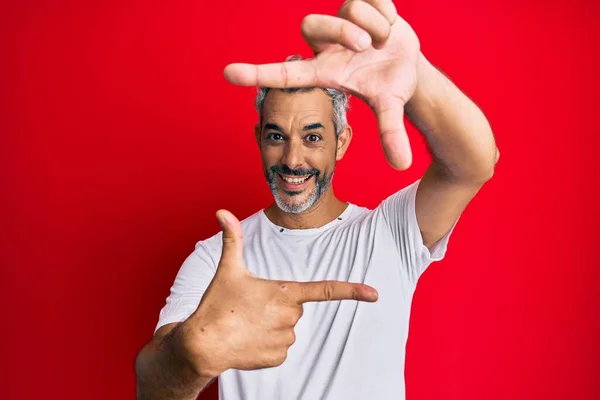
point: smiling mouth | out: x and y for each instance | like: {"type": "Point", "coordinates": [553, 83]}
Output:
{"type": "Point", "coordinates": [294, 181]}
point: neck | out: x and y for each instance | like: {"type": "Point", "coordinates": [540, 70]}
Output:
{"type": "Point", "coordinates": [327, 208]}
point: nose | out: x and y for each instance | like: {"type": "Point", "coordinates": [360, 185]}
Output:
{"type": "Point", "coordinates": [293, 155]}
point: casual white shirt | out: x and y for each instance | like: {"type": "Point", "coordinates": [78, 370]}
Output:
{"type": "Point", "coordinates": [344, 349]}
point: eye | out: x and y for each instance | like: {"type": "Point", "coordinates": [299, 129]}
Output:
{"type": "Point", "coordinates": [275, 136]}
{"type": "Point", "coordinates": [313, 138]}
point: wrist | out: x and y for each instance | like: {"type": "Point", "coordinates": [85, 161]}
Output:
{"type": "Point", "coordinates": [193, 352]}
{"type": "Point", "coordinates": [427, 81]}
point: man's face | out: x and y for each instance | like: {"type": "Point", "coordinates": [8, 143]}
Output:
{"type": "Point", "coordinates": [298, 147]}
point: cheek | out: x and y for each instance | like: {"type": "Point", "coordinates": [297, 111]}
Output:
{"type": "Point", "coordinates": [270, 155]}
{"type": "Point", "coordinates": [320, 159]}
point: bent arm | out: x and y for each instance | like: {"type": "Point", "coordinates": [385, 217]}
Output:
{"type": "Point", "coordinates": [163, 372]}
{"type": "Point", "coordinates": [463, 149]}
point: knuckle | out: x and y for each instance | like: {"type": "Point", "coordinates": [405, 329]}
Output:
{"type": "Point", "coordinates": [346, 31]}
{"type": "Point", "coordinates": [284, 293]}
{"type": "Point", "coordinates": [349, 9]}
{"type": "Point", "coordinates": [284, 74]}
{"type": "Point", "coordinates": [291, 318]}
{"type": "Point", "coordinates": [291, 321]}
{"type": "Point", "coordinates": [278, 358]}
{"type": "Point", "coordinates": [298, 314]}
{"type": "Point", "coordinates": [291, 338]}
{"type": "Point", "coordinates": [354, 8]}
{"type": "Point", "coordinates": [378, 4]}
{"type": "Point", "coordinates": [384, 31]}
{"type": "Point", "coordinates": [229, 239]}
{"type": "Point", "coordinates": [284, 287]}
{"type": "Point", "coordinates": [328, 291]}
{"type": "Point", "coordinates": [285, 321]}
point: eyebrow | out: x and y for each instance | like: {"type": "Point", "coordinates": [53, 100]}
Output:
{"type": "Point", "coordinates": [314, 126]}
{"type": "Point", "coordinates": [308, 127]}
{"type": "Point", "coordinates": [272, 127]}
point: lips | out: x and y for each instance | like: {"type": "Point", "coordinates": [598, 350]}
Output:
{"type": "Point", "coordinates": [294, 183]}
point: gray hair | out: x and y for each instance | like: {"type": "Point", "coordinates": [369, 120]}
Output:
{"type": "Point", "coordinates": [339, 101]}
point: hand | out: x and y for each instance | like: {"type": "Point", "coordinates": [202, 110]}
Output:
{"type": "Point", "coordinates": [368, 51]}
{"type": "Point", "coordinates": [245, 322]}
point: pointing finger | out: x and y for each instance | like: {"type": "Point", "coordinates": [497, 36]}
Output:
{"type": "Point", "coordinates": [303, 292]}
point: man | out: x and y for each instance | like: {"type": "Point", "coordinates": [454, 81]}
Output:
{"type": "Point", "coordinates": [310, 298]}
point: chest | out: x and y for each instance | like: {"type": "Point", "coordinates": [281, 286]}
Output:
{"type": "Point", "coordinates": [342, 347]}
{"type": "Point", "coordinates": [356, 254]}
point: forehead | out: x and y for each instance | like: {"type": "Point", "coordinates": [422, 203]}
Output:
{"type": "Point", "coordinates": [298, 106]}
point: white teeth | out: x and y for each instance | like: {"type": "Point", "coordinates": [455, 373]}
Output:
{"type": "Point", "coordinates": [295, 181]}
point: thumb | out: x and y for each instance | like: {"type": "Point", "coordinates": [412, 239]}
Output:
{"type": "Point", "coordinates": [392, 132]}
{"type": "Point", "coordinates": [233, 239]}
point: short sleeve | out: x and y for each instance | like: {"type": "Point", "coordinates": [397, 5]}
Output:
{"type": "Point", "coordinates": [192, 280]}
{"type": "Point", "coordinates": [399, 212]}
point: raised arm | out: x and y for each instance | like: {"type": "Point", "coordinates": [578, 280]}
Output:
{"type": "Point", "coordinates": [371, 52]}
{"type": "Point", "coordinates": [463, 148]}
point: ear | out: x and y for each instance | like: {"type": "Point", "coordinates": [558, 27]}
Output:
{"type": "Point", "coordinates": [257, 134]}
{"type": "Point", "coordinates": [343, 141]}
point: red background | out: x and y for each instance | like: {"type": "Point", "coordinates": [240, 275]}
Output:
{"type": "Point", "coordinates": [120, 139]}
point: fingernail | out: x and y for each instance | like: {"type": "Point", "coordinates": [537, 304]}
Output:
{"type": "Point", "coordinates": [364, 41]}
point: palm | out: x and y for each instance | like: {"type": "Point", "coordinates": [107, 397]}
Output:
{"type": "Point", "coordinates": [372, 74]}
{"type": "Point", "coordinates": [384, 77]}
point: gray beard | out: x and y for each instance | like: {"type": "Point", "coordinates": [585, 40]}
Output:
{"type": "Point", "coordinates": [319, 189]}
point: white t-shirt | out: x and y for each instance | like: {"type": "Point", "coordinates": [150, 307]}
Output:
{"type": "Point", "coordinates": [344, 349]}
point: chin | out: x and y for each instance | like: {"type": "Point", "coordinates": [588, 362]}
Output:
{"type": "Point", "coordinates": [294, 205]}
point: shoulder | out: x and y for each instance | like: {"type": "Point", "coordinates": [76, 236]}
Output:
{"type": "Point", "coordinates": [355, 217]}
{"type": "Point", "coordinates": [404, 194]}
{"type": "Point", "coordinates": [394, 210]}
{"type": "Point", "coordinates": [398, 206]}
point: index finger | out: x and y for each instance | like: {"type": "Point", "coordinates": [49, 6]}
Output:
{"type": "Point", "coordinates": [296, 74]}
{"type": "Point", "coordinates": [303, 292]}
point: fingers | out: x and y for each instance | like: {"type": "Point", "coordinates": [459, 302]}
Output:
{"type": "Point", "coordinates": [367, 17]}
{"type": "Point", "coordinates": [295, 74]}
{"type": "Point", "coordinates": [233, 239]}
{"type": "Point", "coordinates": [385, 7]}
{"type": "Point", "coordinates": [392, 133]}
{"type": "Point", "coordinates": [319, 31]}
{"type": "Point", "coordinates": [303, 292]}
{"type": "Point", "coordinates": [360, 24]}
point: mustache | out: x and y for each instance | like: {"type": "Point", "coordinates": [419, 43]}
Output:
{"type": "Point", "coordinates": [285, 170]}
